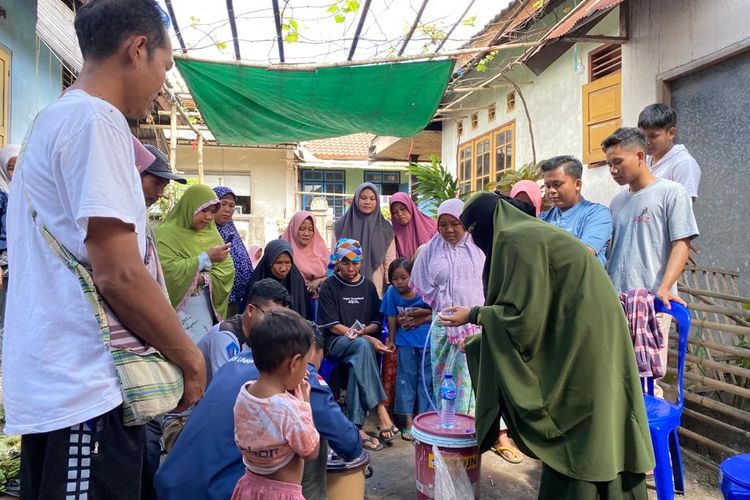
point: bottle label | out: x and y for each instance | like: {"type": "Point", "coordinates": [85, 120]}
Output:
{"type": "Point", "coordinates": [446, 393]}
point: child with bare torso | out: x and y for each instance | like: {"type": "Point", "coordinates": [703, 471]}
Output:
{"type": "Point", "coordinates": [274, 428]}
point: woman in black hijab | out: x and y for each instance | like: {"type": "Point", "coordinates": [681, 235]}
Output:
{"type": "Point", "coordinates": [278, 263]}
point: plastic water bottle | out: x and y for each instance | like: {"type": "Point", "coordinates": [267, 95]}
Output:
{"type": "Point", "coordinates": [448, 402]}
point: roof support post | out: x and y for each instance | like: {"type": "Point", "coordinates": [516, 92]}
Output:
{"type": "Point", "coordinates": [455, 25]}
{"type": "Point", "coordinates": [233, 27]}
{"type": "Point", "coordinates": [176, 26]}
{"type": "Point", "coordinates": [413, 27]}
{"type": "Point", "coordinates": [361, 23]}
{"type": "Point", "coordinates": [279, 38]}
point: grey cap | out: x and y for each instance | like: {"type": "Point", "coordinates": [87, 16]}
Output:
{"type": "Point", "coordinates": [160, 167]}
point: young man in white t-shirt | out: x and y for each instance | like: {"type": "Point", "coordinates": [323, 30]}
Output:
{"type": "Point", "coordinates": [668, 160]}
{"type": "Point", "coordinates": [77, 167]}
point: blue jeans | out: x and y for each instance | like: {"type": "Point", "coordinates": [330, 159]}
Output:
{"type": "Point", "coordinates": [411, 381]}
{"type": "Point", "coordinates": [364, 391]}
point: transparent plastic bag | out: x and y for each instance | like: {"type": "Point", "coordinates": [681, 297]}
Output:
{"type": "Point", "coordinates": [451, 480]}
{"type": "Point", "coordinates": [356, 327]}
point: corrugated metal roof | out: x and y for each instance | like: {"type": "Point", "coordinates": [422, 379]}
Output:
{"type": "Point", "coordinates": [54, 25]}
{"type": "Point", "coordinates": [589, 8]}
{"type": "Point", "coordinates": [514, 15]}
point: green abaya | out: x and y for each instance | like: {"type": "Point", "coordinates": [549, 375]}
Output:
{"type": "Point", "coordinates": [555, 358]}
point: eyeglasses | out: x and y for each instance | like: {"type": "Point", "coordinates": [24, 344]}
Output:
{"type": "Point", "coordinates": [263, 311]}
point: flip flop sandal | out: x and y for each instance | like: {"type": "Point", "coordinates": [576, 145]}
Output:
{"type": "Point", "coordinates": [406, 435]}
{"type": "Point", "coordinates": [393, 430]}
{"type": "Point", "coordinates": [500, 452]}
{"type": "Point", "coordinates": [372, 447]}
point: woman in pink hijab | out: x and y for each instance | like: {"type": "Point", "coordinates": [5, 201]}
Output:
{"type": "Point", "coordinates": [412, 228]}
{"type": "Point", "coordinates": [310, 250]}
{"type": "Point", "coordinates": [529, 192]}
{"type": "Point", "coordinates": [256, 252]}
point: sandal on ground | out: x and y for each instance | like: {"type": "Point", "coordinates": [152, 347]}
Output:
{"type": "Point", "coordinates": [392, 430]}
{"type": "Point", "coordinates": [406, 434]}
{"type": "Point", "coordinates": [504, 451]}
{"type": "Point", "coordinates": [369, 444]}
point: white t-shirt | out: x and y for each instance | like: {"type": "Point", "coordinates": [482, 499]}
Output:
{"type": "Point", "coordinates": [77, 163]}
{"type": "Point", "coordinates": [678, 165]}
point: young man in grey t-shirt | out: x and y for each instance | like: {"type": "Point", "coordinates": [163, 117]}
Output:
{"type": "Point", "coordinates": [652, 221]}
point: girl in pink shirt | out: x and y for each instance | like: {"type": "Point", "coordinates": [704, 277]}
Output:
{"type": "Point", "coordinates": [274, 428]}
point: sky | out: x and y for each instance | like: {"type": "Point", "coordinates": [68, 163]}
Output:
{"type": "Point", "coordinates": [324, 32]}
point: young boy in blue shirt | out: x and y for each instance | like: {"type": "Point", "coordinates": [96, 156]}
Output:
{"type": "Point", "coordinates": [409, 319]}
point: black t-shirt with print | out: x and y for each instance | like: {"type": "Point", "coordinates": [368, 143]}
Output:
{"type": "Point", "coordinates": [345, 302]}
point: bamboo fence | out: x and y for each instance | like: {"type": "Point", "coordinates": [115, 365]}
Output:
{"type": "Point", "coordinates": [716, 421]}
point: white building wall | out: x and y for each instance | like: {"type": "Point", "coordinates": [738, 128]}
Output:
{"type": "Point", "coordinates": [271, 176]}
{"type": "Point", "coordinates": [555, 107]}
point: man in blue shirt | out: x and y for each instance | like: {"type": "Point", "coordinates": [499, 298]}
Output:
{"type": "Point", "coordinates": [205, 462]}
{"type": "Point", "coordinates": [589, 222]}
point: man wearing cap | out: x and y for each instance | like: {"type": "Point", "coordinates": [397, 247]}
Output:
{"type": "Point", "coordinates": [156, 176]}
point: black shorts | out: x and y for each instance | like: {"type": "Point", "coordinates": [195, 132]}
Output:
{"type": "Point", "coordinates": [98, 459]}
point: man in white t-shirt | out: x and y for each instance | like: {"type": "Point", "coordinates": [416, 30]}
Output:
{"type": "Point", "coordinates": [77, 167]}
{"type": "Point", "coordinates": [668, 160]}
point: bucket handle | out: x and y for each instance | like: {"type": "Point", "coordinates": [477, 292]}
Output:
{"type": "Point", "coordinates": [368, 472]}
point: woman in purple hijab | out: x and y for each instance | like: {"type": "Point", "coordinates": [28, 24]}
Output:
{"type": "Point", "coordinates": [243, 269]}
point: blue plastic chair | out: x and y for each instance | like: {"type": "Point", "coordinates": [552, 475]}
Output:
{"type": "Point", "coordinates": [664, 416]}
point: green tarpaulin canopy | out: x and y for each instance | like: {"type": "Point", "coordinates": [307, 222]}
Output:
{"type": "Point", "coordinates": [244, 105]}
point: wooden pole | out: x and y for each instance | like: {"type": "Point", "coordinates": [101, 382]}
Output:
{"type": "Point", "coordinates": [694, 436]}
{"type": "Point", "coordinates": [176, 26]}
{"type": "Point", "coordinates": [709, 403]}
{"type": "Point", "coordinates": [522, 56]}
{"type": "Point", "coordinates": [710, 325]}
{"type": "Point", "coordinates": [200, 159]}
{"type": "Point", "coordinates": [173, 136]}
{"type": "Point", "coordinates": [718, 423]}
{"type": "Point", "coordinates": [735, 351]}
{"type": "Point", "coordinates": [233, 28]}
{"type": "Point", "coordinates": [697, 458]}
{"type": "Point", "coordinates": [715, 295]}
{"type": "Point", "coordinates": [715, 384]}
{"type": "Point", "coordinates": [455, 25]}
{"type": "Point", "coordinates": [363, 62]}
{"type": "Point", "coordinates": [715, 365]}
{"type": "Point", "coordinates": [277, 22]}
{"type": "Point", "coordinates": [360, 25]}
{"type": "Point", "coordinates": [413, 27]}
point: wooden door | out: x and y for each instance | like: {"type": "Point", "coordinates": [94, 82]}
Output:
{"type": "Point", "coordinates": [602, 114]}
{"type": "Point", "coordinates": [4, 94]}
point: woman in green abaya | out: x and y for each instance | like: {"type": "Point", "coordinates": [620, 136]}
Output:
{"type": "Point", "coordinates": [555, 358]}
{"type": "Point", "coordinates": [198, 270]}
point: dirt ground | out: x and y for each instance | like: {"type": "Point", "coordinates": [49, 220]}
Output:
{"type": "Point", "coordinates": [394, 477]}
